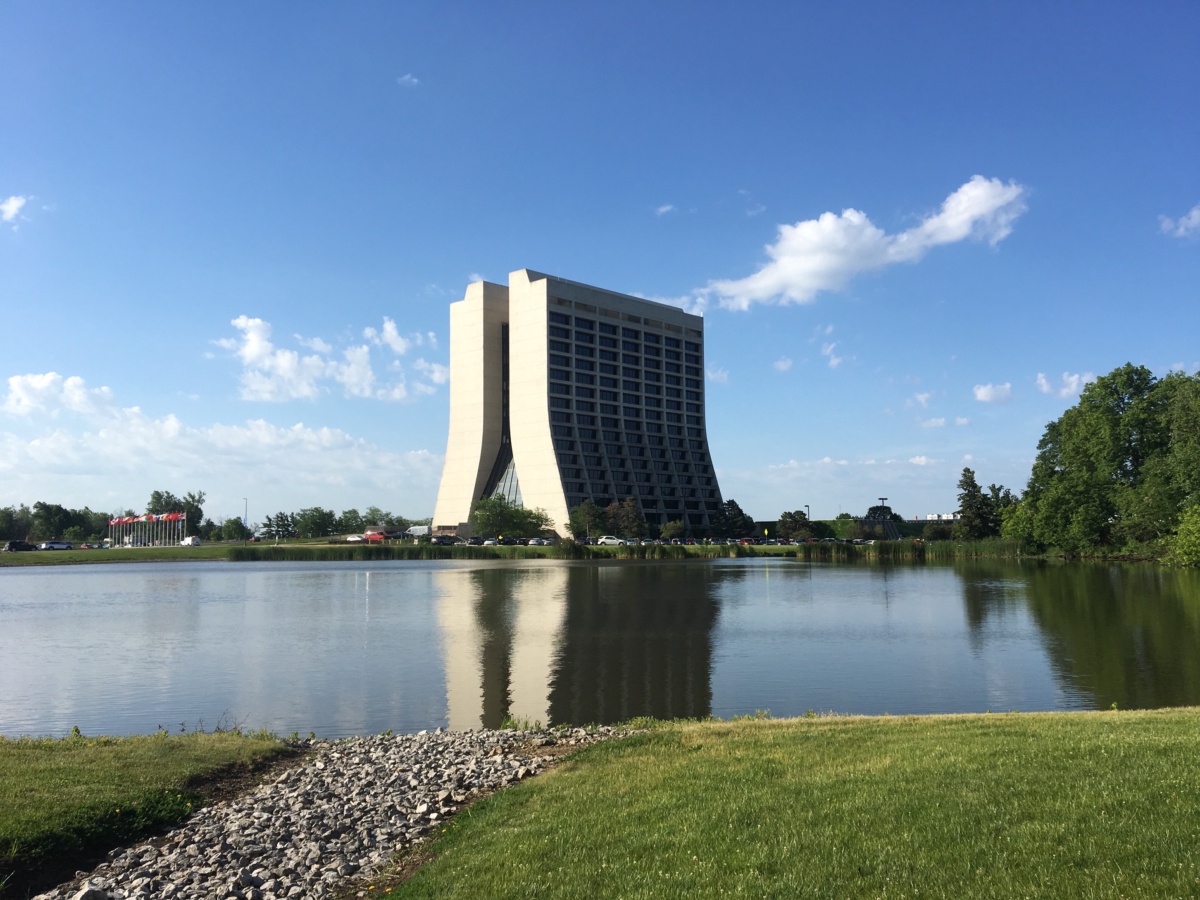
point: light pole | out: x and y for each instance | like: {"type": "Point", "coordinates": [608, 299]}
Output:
{"type": "Point", "coordinates": [245, 519]}
{"type": "Point", "coordinates": [807, 514]}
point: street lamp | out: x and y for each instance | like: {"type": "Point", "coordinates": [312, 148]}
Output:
{"type": "Point", "coordinates": [807, 514]}
{"type": "Point", "coordinates": [245, 519]}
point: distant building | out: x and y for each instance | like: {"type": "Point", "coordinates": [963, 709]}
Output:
{"type": "Point", "coordinates": [942, 517]}
{"type": "Point", "coordinates": [561, 392]}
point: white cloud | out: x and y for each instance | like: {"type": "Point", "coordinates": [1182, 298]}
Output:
{"type": "Point", "coordinates": [389, 337]}
{"type": "Point", "coordinates": [933, 423]}
{"type": "Point", "coordinates": [664, 209]}
{"type": "Point", "coordinates": [961, 421]}
{"type": "Point", "coordinates": [316, 344]}
{"type": "Point", "coordinates": [275, 374]}
{"type": "Point", "coordinates": [75, 445]}
{"type": "Point", "coordinates": [11, 208]}
{"type": "Point", "coordinates": [922, 399]}
{"type": "Point", "coordinates": [435, 372]}
{"type": "Point", "coordinates": [993, 393]}
{"type": "Point", "coordinates": [50, 393]}
{"type": "Point", "coordinates": [825, 253]}
{"type": "Point", "coordinates": [920, 460]}
{"type": "Point", "coordinates": [783, 364]}
{"type": "Point", "coordinates": [827, 351]}
{"type": "Point", "coordinates": [1071, 384]}
{"type": "Point", "coordinates": [1185, 225]}
{"type": "Point", "coordinates": [720, 376]}
{"type": "Point", "coordinates": [756, 210]}
{"type": "Point", "coordinates": [408, 81]}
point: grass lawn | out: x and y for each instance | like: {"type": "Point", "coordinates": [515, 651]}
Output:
{"type": "Point", "coordinates": [65, 802]}
{"type": "Point", "coordinates": [1015, 805]}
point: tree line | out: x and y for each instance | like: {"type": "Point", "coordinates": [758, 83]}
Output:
{"type": "Point", "coordinates": [50, 521]}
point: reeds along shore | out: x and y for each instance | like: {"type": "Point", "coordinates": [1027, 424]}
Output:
{"type": "Point", "coordinates": [897, 551]}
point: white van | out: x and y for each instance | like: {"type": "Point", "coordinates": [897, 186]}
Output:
{"type": "Point", "coordinates": [190, 541]}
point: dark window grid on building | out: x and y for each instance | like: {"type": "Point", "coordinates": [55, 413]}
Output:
{"type": "Point", "coordinates": [556, 332]}
{"type": "Point", "coordinates": [581, 350]}
{"type": "Point", "coordinates": [560, 374]}
{"type": "Point", "coordinates": [560, 403]}
{"type": "Point", "coordinates": [673, 367]}
{"type": "Point", "coordinates": [583, 365]}
{"type": "Point", "coordinates": [557, 318]}
{"type": "Point", "coordinates": [652, 338]}
{"type": "Point", "coordinates": [585, 406]}
{"type": "Point", "coordinates": [584, 337]}
{"type": "Point", "coordinates": [631, 347]}
{"type": "Point", "coordinates": [692, 371]}
{"type": "Point", "coordinates": [671, 342]}
{"type": "Point", "coordinates": [581, 322]}
{"type": "Point", "coordinates": [692, 383]}
{"type": "Point", "coordinates": [653, 364]}
{"type": "Point", "coordinates": [691, 359]}
{"type": "Point", "coordinates": [556, 388]}
{"type": "Point", "coordinates": [556, 360]}
{"type": "Point", "coordinates": [608, 343]}
{"type": "Point", "coordinates": [608, 328]}
{"type": "Point", "coordinates": [649, 350]}
{"type": "Point", "coordinates": [560, 346]}
{"type": "Point", "coordinates": [674, 356]}
{"type": "Point", "coordinates": [629, 359]}
{"type": "Point", "coordinates": [691, 346]}
{"type": "Point", "coordinates": [584, 392]}
{"type": "Point", "coordinates": [609, 356]}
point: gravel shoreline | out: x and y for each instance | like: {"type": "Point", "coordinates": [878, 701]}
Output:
{"type": "Point", "coordinates": [343, 813]}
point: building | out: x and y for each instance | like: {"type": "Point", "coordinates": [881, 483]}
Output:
{"type": "Point", "coordinates": [561, 392]}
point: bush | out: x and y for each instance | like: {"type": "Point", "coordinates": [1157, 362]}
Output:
{"type": "Point", "coordinates": [1185, 547]}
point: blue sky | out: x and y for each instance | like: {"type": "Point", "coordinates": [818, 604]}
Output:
{"type": "Point", "coordinates": [230, 234]}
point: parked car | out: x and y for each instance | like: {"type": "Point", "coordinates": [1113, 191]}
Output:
{"type": "Point", "coordinates": [536, 542]}
{"type": "Point", "coordinates": [609, 540]}
{"type": "Point", "coordinates": [55, 545]}
{"type": "Point", "coordinates": [16, 546]}
{"type": "Point", "coordinates": [354, 539]}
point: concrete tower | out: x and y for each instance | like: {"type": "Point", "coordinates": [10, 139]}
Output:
{"type": "Point", "coordinates": [561, 392]}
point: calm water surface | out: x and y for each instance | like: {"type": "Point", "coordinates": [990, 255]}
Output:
{"type": "Point", "coordinates": [354, 648]}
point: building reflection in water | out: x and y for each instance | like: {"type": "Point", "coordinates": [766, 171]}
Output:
{"type": "Point", "coordinates": [566, 644]}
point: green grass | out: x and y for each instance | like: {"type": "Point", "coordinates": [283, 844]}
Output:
{"type": "Point", "coordinates": [65, 802]}
{"type": "Point", "coordinates": [1036, 805]}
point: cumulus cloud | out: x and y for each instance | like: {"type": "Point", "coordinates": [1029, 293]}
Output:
{"type": "Point", "coordinates": [825, 253]}
{"type": "Point", "coordinates": [51, 393]}
{"type": "Point", "coordinates": [920, 460]}
{"type": "Point", "coordinates": [11, 208]}
{"type": "Point", "coordinates": [720, 376]}
{"type": "Point", "coordinates": [408, 81]}
{"type": "Point", "coordinates": [277, 374]}
{"type": "Point", "coordinates": [993, 393]}
{"type": "Point", "coordinates": [783, 364]}
{"type": "Point", "coordinates": [435, 372]}
{"type": "Point", "coordinates": [922, 399]}
{"type": "Point", "coordinates": [62, 439]}
{"type": "Point", "coordinates": [1071, 384]}
{"type": "Point", "coordinates": [664, 209]}
{"type": "Point", "coordinates": [1185, 225]}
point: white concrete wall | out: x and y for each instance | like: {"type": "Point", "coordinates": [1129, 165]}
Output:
{"type": "Point", "coordinates": [476, 394]}
{"type": "Point", "coordinates": [529, 405]}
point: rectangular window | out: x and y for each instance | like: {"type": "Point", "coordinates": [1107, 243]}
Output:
{"type": "Point", "coordinates": [673, 367]}
{"type": "Point", "coordinates": [674, 379]}
{"type": "Point", "coordinates": [560, 403]}
{"type": "Point", "coordinates": [607, 369]}
{"type": "Point", "coordinates": [673, 342]}
{"type": "Point", "coordinates": [693, 395]}
{"type": "Point", "coordinates": [585, 378]}
{"type": "Point", "coordinates": [611, 396]}
{"type": "Point", "coordinates": [652, 351]}
{"type": "Point", "coordinates": [557, 332]}
{"type": "Point", "coordinates": [654, 415]}
{"type": "Point", "coordinates": [584, 392]}
{"type": "Point", "coordinates": [674, 404]}
{"type": "Point", "coordinates": [609, 423]}
{"type": "Point", "coordinates": [584, 337]}
{"type": "Point", "coordinates": [560, 347]}
{"type": "Point", "coordinates": [691, 370]}
{"type": "Point", "coordinates": [608, 409]}
{"type": "Point", "coordinates": [585, 351]}
{"type": "Point", "coordinates": [632, 425]}
{"type": "Point", "coordinates": [609, 356]}
{"type": "Point", "coordinates": [694, 408]}
{"type": "Point", "coordinates": [587, 420]}
{"type": "Point", "coordinates": [559, 360]}
{"type": "Point", "coordinates": [560, 431]}
{"type": "Point", "coordinates": [631, 386]}
{"type": "Point", "coordinates": [560, 417]}
{"type": "Point", "coordinates": [588, 434]}
{"type": "Point", "coordinates": [674, 417]}
{"type": "Point", "coordinates": [631, 333]}
{"type": "Point", "coordinates": [694, 420]}
{"type": "Point", "coordinates": [605, 328]}
{"type": "Point", "coordinates": [612, 435]}
{"type": "Point", "coordinates": [691, 358]}
{"type": "Point", "coordinates": [653, 338]}
{"type": "Point", "coordinates": [674, 355]}
{"type": "Point", "coordinates": [630, 346]}
{"type": "Point", "coordinates": [560, 374]}
{"type": "Point", "coordinates": [692, 383]}
{"type": "Point", "coordinates": [581, 322]}
{"type": "Point", "coordinates": [653, 364]}
{"type": "Point", "coordinates": [585, 406]}
{"type": "Point", "coordinates": [560, 318]}
{"type": "Point", "coordinates": [629, 359]}
{"type": "Point", "coordinates": [584, 365]}
{"type": "Point", "coordinates": [559, 388]}
{"type": "Point", "coordinates": [588, 447]}
{"type": "Point", "coordinates": [608, 342]}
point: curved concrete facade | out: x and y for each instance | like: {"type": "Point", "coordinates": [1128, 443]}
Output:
{"type": "Point", "coordinates": [573, 392]}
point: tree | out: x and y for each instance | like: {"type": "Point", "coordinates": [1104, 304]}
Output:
{"type": "Point", "coordinates": [351, 522]}
{"type": "Point", "coordinates": [731, 522]}
{"type": "Point", "coordinates": [977, 516]}
{"type": "Point", "coordinates": [883, 513]}
{"type": "Point", "coordinates": [625, 520]}
{"type": "Point", "coordinates": [232, 529]}
{"type": "Point", "coordinates": [315, 522]}
{"type": "Point", "coordinates": [280, 525]}
{"type": "Point", "coordinates": [497, 517]}
{"type": "Point", "coordinates": [793, 526]}
{"type": "Point", "coordinates": [586, 519]}
{"type": "Point", "coordinates": [190, 504]}
{"type": "Point", "coordinates": [671, 530]}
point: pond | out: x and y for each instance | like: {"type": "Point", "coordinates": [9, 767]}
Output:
{"type": "Point", "coordinates": [356, 648]}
